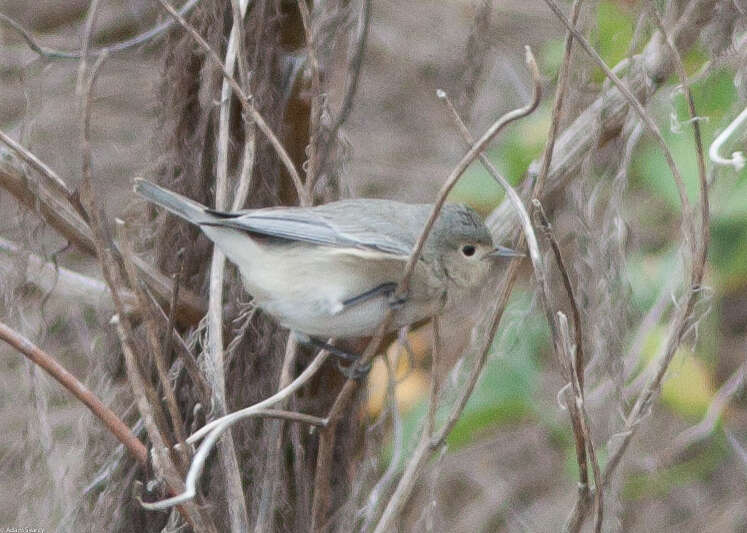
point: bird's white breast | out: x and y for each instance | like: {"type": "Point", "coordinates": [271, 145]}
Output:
{"type": "Point", "coordinates": [304, 286]}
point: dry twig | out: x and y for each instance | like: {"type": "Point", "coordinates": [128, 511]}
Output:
{"type": "Point", "coordinates": [705, 427]}
{"type": "Point", "coordinates": [153, 339]}
{"type": "Point", "coordinates": [229, 462]}
{"type": "Point", "coordinates": [53, 53]}
{"type": "Point", "coordinates": [557, 108]}
{"type": "Point", "coordinates": [316, 88]}
{"type": "Point", "coordinates": [54, 280]}
{"type": "Point", "coordinates": [635, 104]}
{"type": "Point", "coordinates": [583, 423]}
{"type": "Point", "coordinates": [382, 487]}
{"type": "Point", "coordinates": [50, 365]}
{"type": "Point", "coordinates": [604, 118]}
{"type": "Point", "coordinates": [324, 456]}
{"type": "Point", "coordinates": [351, 82]}
{"type": "Point", "coordinates": [211, 432]}
{"type": "Point", "coordinates": [37, 164]}
{"type": "Point", "coordinates": [147, 400]}
{"type": "Point", "coordinates": [188, 358]}
{"type": "Point", "coordinates": [699, 248]}
{"type": "Point", "coordinates": [273, 469]}
{"type": "Point", "coordinates": [571, 356]}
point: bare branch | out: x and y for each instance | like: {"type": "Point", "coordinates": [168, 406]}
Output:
{"type": "Point", "coordinates": [211, 432]}
{"type": "Point", "coordinates": [238, 515]}
{"type": "Point", "coordinates": [694, 119]}
{"type": "Point", "coordinates": [578, 336]}
{"type": "Point", "coordinates": [59, 213]}
{"type": "Point", "coordinates": [247, 160]}
{"type": "Point", "coordinates": [634, 103]}
{"type": "Point", "coordinates": [145, 396]}
{"type": "Point", "coordinates": [354, 68]}
{"type": "Point", "coordinates": [59, 281]}
{"type": "Point", "coordinates": [699, 251]}
{"type": "Point", "coordinates": [37, 164]}
{"type": "Point", "coordinates": [604, 118]}
{"type": "Point", "coordinates": [187, 357]}
{"type": "Point", "coordinates": [152, 337]}
{"type": "Point", "coordinates": [697, 246]}
{"type": "Point", "coordinates": [583, 421]}
{"type": "Point", "coordinates": [376, 495]}
{"type": "Point", "coordinates": [557, 108]}
{"type": "Point", "coordinates": [53, 53]}
{"type": "Point", "coordinates": [422, 452]}
{"type": "Point", "coordinates": [513, 197]}
{"type": "Point", "coordinates": [468, 158]}
{"type": "Point", "coordinates": [200, 456]}
{"type": "Point", "coordinates": [273, 469]}
{"type": "Point", "coordinates": [316, 86]}
{"type": "Point", "coordinates": [705, 427]}
{"type": "Point", "coordinates": [573, 370]}
{"type": "Point", "coordinates": [45, 200]}
{"type": "Point", "coordinates": [168, 342]}
{"type": "Point", "coordinates": [191, 307]}
{"type": "Point", "coordinates": [50, 365]}
{"type": "Point", "coordinates": [428, 445]}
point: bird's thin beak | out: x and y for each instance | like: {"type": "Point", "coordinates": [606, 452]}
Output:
{"type": "Point", "coordinates": [502, 251]}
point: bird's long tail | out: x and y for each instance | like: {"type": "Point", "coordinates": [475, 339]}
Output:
{"type": "Point", "coordinates": [182, 206]}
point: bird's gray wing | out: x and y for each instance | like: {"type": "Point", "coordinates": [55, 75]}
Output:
{"type": "Point", "coordinates": [386, 226]}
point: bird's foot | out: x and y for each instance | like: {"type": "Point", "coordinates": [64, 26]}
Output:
{"type": "Point", "coordinates": [351, 371]}
{"type": "Point", "coordinates": [396, 301]}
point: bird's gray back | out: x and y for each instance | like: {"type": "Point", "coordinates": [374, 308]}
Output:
{"type": "Point", "coordinates": [383, 225]}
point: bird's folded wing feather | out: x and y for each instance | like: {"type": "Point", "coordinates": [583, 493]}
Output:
{"type": "Point", "coordinates": [367, 224]}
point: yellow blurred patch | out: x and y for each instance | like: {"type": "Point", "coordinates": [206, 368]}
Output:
{"type": "Point", "coordinates": [688, 386]}
{"type": "Point", "coordinates": [412, 383]}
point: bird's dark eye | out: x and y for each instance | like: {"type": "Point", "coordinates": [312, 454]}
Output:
{"type": "Point", "coordinates": [468, 250]}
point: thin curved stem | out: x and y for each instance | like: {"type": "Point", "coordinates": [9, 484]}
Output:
{"type": "Point", "coordinates": [53, 53]}
{"type": "Point", "coordinates": [737, 159]}
{"type": "Point", "coordinates": [466, 161]}
{"type": "Point", "coordinates": [50, 365]}
{"type": "Point", "coordinates": [430, 441]}
{"type": "Point", "coordinates": [212, 432]}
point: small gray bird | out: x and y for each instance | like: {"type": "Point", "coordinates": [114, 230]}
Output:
{"type": "Point", "coordinates": [332, 270]}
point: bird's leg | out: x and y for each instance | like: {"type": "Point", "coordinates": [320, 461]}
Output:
{"type": "Point", "coordinates": [396, 302]}
{"type": "Point", "coordinates": [349, 371]}
{"type": "Point", "coordinates": [334, 350]}
{"type": "Point", "coordinates": [385, 289]}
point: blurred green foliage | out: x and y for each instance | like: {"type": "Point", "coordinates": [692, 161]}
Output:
{"type": "Point", "coordinates": [662, 481]}
{"type": "Point", "coordinates": [613, 34]}
{"type": "Point", "coordinates": [505, 390]}
{"type": "Point", "coordinates": [518, 147]}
